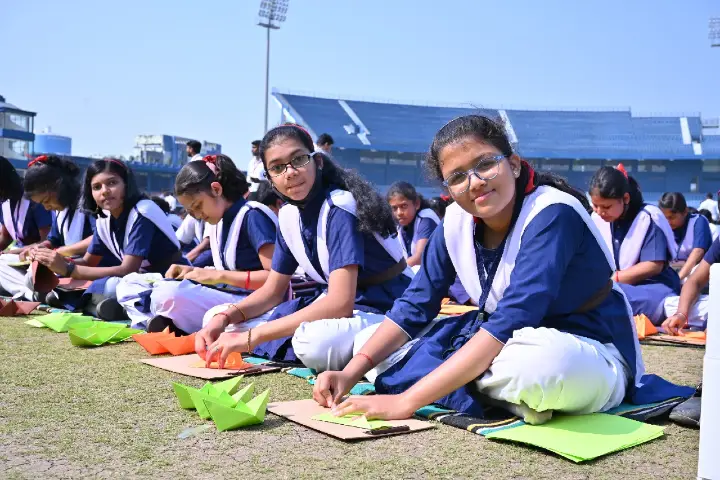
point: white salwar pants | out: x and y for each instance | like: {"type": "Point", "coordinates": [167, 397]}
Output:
{"type": "Point", "coordinates": [15, 281]}
{"type": "Point", "coordinates": [541, 370]}
{"type": "Point", "coordinates": [184, 302]}
{"type": "Point", "coordinates": [322, 344]}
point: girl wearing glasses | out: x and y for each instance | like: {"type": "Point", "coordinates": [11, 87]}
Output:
{"type": "Point", "coordinates": [691, 231]}
{"type": "Point", "coordinates": [341, 232]}
{"type": "Point", "coordinates": [640, 240]}
{"type": "Point", "coordinates": [128, 227]}
{"type": "Point", "coordinates": [54, 183]}
{"type": "Point", "coordinates": [21, 220]}
{"type": "Point", "coordinates": [242, 241]}
{"type": "Point", "coordinates": [552, 333]}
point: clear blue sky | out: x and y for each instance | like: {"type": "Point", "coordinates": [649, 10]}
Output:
{"type": "Point", "coordinates": [103, 72]}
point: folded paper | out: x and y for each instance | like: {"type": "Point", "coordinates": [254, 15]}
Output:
{"type": "Point", "coordinates": [11, 308]}
{"type": "Point", "coordinates": [35, 323]}
{"type": "Point", "coordinates": [582, 437]}
{"type": "Point", "coordinates": [183, 392]}
{"type": "Point", "coordinates": [100, 333]}
{"type": "Point", "coordinates": [243, 414]}
{"type": "Point", "coordinates": [356, 420]}
{"type": "Point", "coordinates": [166, 342]}
{"type": "Point", "coordinates": [644, 327]}
{"type": "Point", "coordinates": [303, 411]}
{"type": "Point", "coordinates": [234, 361]}
{"type": "Point", "coordinates": [61, 322]}
{"type": "Point", "coordinates": [44, 280]}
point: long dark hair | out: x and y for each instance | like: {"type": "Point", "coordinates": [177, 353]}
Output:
{"type": "Point", "coordinates": [610, 182]}
{"type": "Point", "coordinates": [10, 183]}
{"type": "Point", "coordinates": [50, 173]}
{"type": "Point", "coordinates": [492, 133]}
{"type": "Point", "coordinates": [408, 191]}
{"type": "Point", "coordinates": [673, 201]}
{"type": "Point", "coordinates": [196, 177]}
{"type": "Point", "coordinates": [132, 192]}
{"type": "Point", "coordinates": [373, 212]}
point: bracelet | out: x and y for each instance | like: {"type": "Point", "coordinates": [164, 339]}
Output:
{"type": "Point", "coordinates": [687, 320]}
{"type": "Point", "coordinates": [617, 276]}
{"type": "Point", "coordinates": [70, 269]}
{"type": "Point", "coordinates": [361, 354]}
{"type": "Point", "coordinates": [247, 281]}
{"type": "Point", "coordinates": [249, 340]}
{"type": "Point", "coordinates": [244, 319]}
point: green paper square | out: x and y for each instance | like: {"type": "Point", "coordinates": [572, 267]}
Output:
{"type": "Point", "coordinates": [583, 437]}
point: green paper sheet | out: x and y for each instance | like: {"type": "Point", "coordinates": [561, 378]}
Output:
{"type": "Point", "coordinates": [353, 420]}
{"type": "Point", "coordinates": [583, 437]}
{"type": "Point", "coordinates": [242, 415]}
{"type": "Point", "coordinates": [35, 323]}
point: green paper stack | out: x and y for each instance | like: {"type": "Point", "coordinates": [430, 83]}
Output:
{"type": "Point", "coordinates": [95, 334]}
{"type": "Point", "coordinates": [223, 402]}
{"type": "Point", "coordinates": [583, 437]}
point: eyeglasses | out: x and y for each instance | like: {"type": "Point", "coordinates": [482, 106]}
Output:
{"type": "Point", "coordinates": [486, 169]}
{"type": "Point", "coordinates": [297, 163]}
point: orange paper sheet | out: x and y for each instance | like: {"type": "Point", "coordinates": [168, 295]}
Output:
{"type": "Point", "coordinates": [233, 362]}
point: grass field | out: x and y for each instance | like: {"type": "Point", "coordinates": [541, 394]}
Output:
{"type": "Point", "coordinates": [71, 412]}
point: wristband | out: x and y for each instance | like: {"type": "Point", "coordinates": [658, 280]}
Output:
{"type": "Point", "coordinates": [226, 322]}
{"type": "Point", "coordinates": [247, 281]}
{"type": "Point", "coordinates": [70, 269]}
{"type": "Point", "coordinates": [687, 320]}
{"type": "Point", "coordinates": [617, 276]}
{"type": "Point", "coordinates": [361, 354]}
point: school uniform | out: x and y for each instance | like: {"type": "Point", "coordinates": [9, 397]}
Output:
{"type": "Point", "coordinates": [694, 233]}
{"type": "Point", "coordinates": [69, 226]}
{"type": "Point", "coordinates": [234, 245]}
{"type": "Point", "coordinates": [320, 238]}
{"type": "Point", "coordinates": [569, 338]}
{"type": "Point", "coordinates": [142, 230]}
{"type": "Point", "coordinates": [698, 314]}
{"type": "Point", "coordinates": [643, 238]}
{"type": "Point", "coordinates": [425, 223]}
{"type": "Point", "coordinates": [23, 220]}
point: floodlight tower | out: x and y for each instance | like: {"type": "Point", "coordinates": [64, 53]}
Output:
{"type": "Point", "coordinates": [271, 14]}
{"type": "Point", "coordinates": [714, 34]}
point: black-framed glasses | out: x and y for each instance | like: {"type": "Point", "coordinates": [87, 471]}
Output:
{"type": "Point", "coordinates": [297, 162]}
{"type": "Point", "coordinates": [486, 169]}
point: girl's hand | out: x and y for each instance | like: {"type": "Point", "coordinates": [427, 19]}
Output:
{"type": "Point", "coordinates": [674, 325]}
{"type": "Point", "coordinates": [377, 407]}
{"type": "Point", "coordinates": [178, 272]}
{"type": "Point", "coordinates": [51, 259]}
{"type": "Point", "coordinates": [226, 344]}
{"type": "Point", "coordinates": [331, 387]}
{"type": "Point", "coordinates": [209, 334]}
{"type": "Point", "coordinates": [203, 275]}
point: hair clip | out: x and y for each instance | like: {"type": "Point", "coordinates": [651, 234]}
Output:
{"type": "Point", "coordinates": [621, 168]}
{"type": "Point", "coordinates": [40, 159]}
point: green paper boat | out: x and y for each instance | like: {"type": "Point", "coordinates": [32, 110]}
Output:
{"type": "Point", "coordinates": [184, 393]}
{"type": "Point", "coordinates": [241, 415]}
{"type": "Point", "coordinates": [100, 333]}
{"type": "Point", "coordinates": [35, 323]}
{"type": "Point", "coordinates": [218, 396]}
{"type": "Point", "coordinates": [61, 322]}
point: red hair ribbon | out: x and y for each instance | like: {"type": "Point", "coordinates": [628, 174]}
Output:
{"type": "Point", "coordinates": [530, 185]}
{"type": "Point", "coordinates": [445, 197]}
{"type": "Point", "coordinates": [621, 168]}
{"type": "Point", "coordinates": [211, 162]}
{"type": "Point", "coordinates": [40, 159]}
